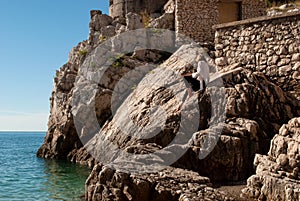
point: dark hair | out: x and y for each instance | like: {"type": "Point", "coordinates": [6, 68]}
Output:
{"type": "Point", "coordinates": [203, 57]}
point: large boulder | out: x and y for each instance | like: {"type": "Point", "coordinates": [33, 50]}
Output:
{"type": "Point", "coordinates": [134, 21]}
{"type": "Point", "coordinates": [166, 21]}
{"type": "Point", "coordinates": [278, 173]}
{"type": "Point", "coordinates": [252, 107]}
{"type": "Point", "coordinates": [172, 184]}
{"type": "Point", "coordinates": [255, 108]}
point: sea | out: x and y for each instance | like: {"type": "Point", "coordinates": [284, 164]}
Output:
{"type": "Point", "coordinates": [23, 176]}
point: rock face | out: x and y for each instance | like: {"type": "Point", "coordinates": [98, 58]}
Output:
{"type": "Point", "coordinates": [62, 141]}
{"type": "Point", "coordinates": [119, 8]}
{"type": "Point", "coordinates": [166, 21]}
{"type": "Point", "coordinates": [216, 133]}
{"type": "Point", "coordinates": [105, 184]}
{"type": "Point", "coordinates": [134, 21]}
{"type": "Point", "coordinates": [250, 122]}
{"type": "Point", "coordinates": [62, 137]}
{"type": "Point", "coordinates": [278, 174]}
{"type": "Point", "coordinates": [255, 109]}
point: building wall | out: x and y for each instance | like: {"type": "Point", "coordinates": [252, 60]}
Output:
{"type": "Point", "coordinates": [253, 8]}
{"type": "Point", "coordinates": [195, 18]}
{"type": "Point", "coordinates": [266, 44]}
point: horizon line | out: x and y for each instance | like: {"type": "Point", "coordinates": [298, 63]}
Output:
{"type": "Point", "coordinates": [2, 131]}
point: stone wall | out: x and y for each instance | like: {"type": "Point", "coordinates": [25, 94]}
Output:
{"type": "Point", "coordinates": [253, 8]}
{"type": "Point", "coordinates": [266, 44]}
{"type": "Point", "coordinates": [122, 7]}
{"type": "Point", "coordinates": [195, 18]}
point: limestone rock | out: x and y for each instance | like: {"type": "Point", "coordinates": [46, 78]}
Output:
{"type": "Point", "coordinates": [100, 20]}
{"type": "Point", "coordinates": [251, 122]}
{"type": "Point", "coordinates": [119, 8]}
{"type": "Point", "coordinates": [229, 154]}
{"type": "Point", "coordinates": [254, 110]}
{"type": "Point", "coordinates": [171, 184]}
{"type": "Point", "coordinates": [166, 21]}
{"type": "Point", "coordinates": [95, 12]}
{"type": "Point", "coordinates": [277, 174]}
{"type": "Point", "coordinates": [134, 21]}
{"type": "Point", "coordinates": [170, 6]}
{"type": "Point", "coordinates": [108, 31]}
{"type": "Point", "coordinates": [61, 138]}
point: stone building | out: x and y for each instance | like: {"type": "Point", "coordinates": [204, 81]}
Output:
{"type": "Point", "coordinates": [194, 18]}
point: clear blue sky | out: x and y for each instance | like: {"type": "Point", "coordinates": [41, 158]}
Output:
{"type": "Point", "coordinates": [35, 39]}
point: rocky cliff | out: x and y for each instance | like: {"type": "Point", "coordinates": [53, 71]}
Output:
{"type": "Point", "coordinates": [213, 138]}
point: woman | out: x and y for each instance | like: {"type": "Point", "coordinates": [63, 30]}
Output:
{"type": "Point", "coordinates": [196, 81]}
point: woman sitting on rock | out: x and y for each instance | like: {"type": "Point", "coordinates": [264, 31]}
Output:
{"type": "Point", "coordinates": [196, 81]}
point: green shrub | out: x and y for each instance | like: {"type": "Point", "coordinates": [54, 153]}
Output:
{"type": "Point", "coordinates": [102, 38]}
{"type": "Point", "coordinates": [118, 61]}
{"type": "Point", "coordinates": [146, 18]}
{"type": "Point", "coordinates": [57, 74]}
{"type": "Point", "coordinates": [82, 52]}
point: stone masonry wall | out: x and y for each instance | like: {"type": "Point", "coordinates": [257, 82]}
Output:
{"type": "Point", "coordinates": [266, 44]}
{"type": "Point", "coordinates": [253, 8]}
{"type": "Point", "coordinates": [195, 18]}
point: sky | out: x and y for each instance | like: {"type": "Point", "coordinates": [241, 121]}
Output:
{"type": "Point", "coordinates": [35, 39]}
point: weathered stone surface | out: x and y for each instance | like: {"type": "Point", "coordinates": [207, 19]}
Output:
{"type": "Point", "coordinates": [195, 18]}
{"type": "Point", "coordinates": [172, 184]}
{"type": "Point", "coordinates": [252, 119]}
{"type": "Point", "coordinates": [166, 21]}
{"type": "Point", "coordinates": [99, 20]}
{"type": "Point", "coordinates": [254, 109]}
{"type": "Point", "coordinates": [119, 8]}
{"type": "Point", "coordinates": [108, 31]}
{"type": "Point", "coordinates": [62, 140]}
{"type": "Point", "coordinates": [268, 44]}
{"type": "Point", "coordinates": [170, 6]}
{"type": "Point", "coordinates": [277, 174]}
{"type": "Point", "coordinates": [258, 98]}
{"type": "Point", "coordinates": [100, 28]}
{"type": "Point", "coordinates": [62, 137]}
{"type": "Point", "coordinates": [134, 21]}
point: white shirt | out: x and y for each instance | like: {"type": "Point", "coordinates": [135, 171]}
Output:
{"type": "Point", "coordinates": [202, 72]}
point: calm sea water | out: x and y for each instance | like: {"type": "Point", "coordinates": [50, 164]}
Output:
{"type": "Point", "coordinates": [23, 176]}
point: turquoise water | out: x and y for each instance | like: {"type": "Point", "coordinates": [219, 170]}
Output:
{"type": "Point", "coordinates": [23, 176]}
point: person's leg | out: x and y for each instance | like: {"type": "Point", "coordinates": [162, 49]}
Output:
{"type": "Point", "coordinates": [201, 84]}
{"type": "Point", "coordinates": [188, 93]}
